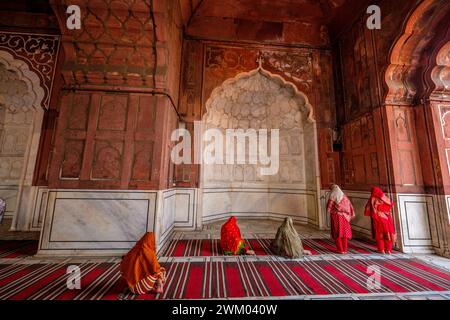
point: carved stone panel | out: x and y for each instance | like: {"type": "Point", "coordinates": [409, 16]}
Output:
{"type": "Point", "coordinates": [107, 141]}
{"type": "Point", "coordinates": [39, 52]}
{"type": "Point", "coordinates": [257, 101]}
{"type": "Point", "coordinates": [16, 117]}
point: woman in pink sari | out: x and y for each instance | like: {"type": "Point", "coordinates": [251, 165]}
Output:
{"type": "Point", "coordinates": [341, 212]}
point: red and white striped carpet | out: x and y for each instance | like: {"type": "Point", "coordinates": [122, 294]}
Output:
{"type": "Point", "coordinates": [211, 247]}
{"type": "Point", "coordinates": [216, 278]}
{"type": "Point", "coordinates": [201, 247]}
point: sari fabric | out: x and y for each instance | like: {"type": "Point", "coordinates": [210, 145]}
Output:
{"type": "Point", "coordinates": [231, 241]}
{"type": "Point", "coordinates": [341, 213]}
{"type": "Point", "coordinates": [379, 209]}
{"type": "Point", "coordinates": [140, 267]}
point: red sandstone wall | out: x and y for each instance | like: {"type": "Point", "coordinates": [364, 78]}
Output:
{"type": "Point", "coordinates": [112, 132]}
{"type": "Point", "coordinates": [381, 143]}
{"type": "Point", "coordinates": [440, 114]}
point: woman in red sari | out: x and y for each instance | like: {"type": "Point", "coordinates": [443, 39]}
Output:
{"type": "Point", "coordinates": [341, 212]}
{"type": "Point", "coordinates": [231, 241]}
{"type": "Point", "coordinates": [379, 209]}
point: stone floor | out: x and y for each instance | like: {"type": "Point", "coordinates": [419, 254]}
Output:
{"type": "Point", "coordinates": [256, 229]}
{"type": "Point", "coordinates": [5, 234]}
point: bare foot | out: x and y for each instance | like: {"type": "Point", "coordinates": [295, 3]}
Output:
{"type": "Point", "coordinates": [159, 287]}
{"type": "Point", "coordinates": [307, 252]}
{"type": "Point", "coordinates": [158, 290]}
{"type": "Point", "coordinates": [250, 252]}
{"type": "Point", "coordinates": [382, 252]}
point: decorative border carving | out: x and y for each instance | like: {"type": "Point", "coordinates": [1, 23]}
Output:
{"type": "Point", "coordinates": [267, 74]}
{"type": "Point", "coordinates": [415, 37]}
{"type": "Point", "coordinates": [39, 52]}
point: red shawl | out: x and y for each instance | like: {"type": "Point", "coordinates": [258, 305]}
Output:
{"type": "Point", "coordinates": [378, 204]}
{"type": "Point", "coordinates": [231, 241]}
{"type": "Point", "coordinates": [379, 209]}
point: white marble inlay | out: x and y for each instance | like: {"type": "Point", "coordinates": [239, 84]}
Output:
{"type": "Point", "coordinates": [417, 220]}
{"type": "Point", "coordinates": [99, 220]}
{"type": "Point", "coordinates": [95, 220]}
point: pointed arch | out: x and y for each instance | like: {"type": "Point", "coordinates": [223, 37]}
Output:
{"type": "Point", "coordinates": [22, 188]}
{"type": "Point", "coordinates": [274, 77]}
{"type": "Point", "coordinates": [251, 101]}
{"type": "Point", "coordinates": [26, 75]}
{"type": "Point", "coordinates": [405, 74]}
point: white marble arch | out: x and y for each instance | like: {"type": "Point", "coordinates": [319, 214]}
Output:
{"type": "Point", "coordinates": [25, 193]}
{"type": "Point", "coordinates": [261, 100]}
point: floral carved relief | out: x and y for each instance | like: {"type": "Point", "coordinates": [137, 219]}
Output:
{"type": "Point", "coordinates": [39, 52]}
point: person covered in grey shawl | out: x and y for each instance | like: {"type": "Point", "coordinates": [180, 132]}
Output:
{"type": "Point", "coordinates": [287, 242]}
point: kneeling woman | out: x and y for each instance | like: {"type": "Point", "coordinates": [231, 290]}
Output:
{"type": "Point", "coordinates": [341, 212]}
{"type": "Point", "coordinates": [140, 267]}
{"type": "Point", "coordinates": [287, 242]}
{"type": "Point", "coordinates": [231, 241]}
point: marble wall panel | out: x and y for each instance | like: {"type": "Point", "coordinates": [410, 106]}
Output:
{"type": "Point", "coordinates": [220, 203]}
{"type": "Point", "coordinates": [418, 223]}
{"type": "Point", "coordinates": [95, 222]}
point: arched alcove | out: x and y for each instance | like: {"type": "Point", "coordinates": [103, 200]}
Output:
{"type": "Point", "coordinates": [251, 102]}
{"type": "Point", "coordinates": [407, 63]}
{"type": "Point", "coordinates": [21, 116]}
{"type": "Point", "coordinates": [410, 78]}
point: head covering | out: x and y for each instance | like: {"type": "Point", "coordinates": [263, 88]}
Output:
{"type": "Point", "coordinates": [231, 241]}
{"type": "Point", "coordinates": [287, 241]}
{"type": "Point", "coordinates": [379, 209]}
{"type": "Point", "coordinates": [336, 193]}
{"type": "Point", "coordinates": [140, 267]}
{"type": "Point", "coordinates": [378, 203]}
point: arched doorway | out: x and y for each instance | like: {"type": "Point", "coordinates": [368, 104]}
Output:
{"type": "Point", "coordinates": [254, 102]}
{"type": "Point", "coordinates": [21, 116]}
{"type": "Point", "coordinates": [413, 108]}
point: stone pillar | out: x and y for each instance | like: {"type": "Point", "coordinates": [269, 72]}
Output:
{"type": "Point", "coordinates": [117, 108]}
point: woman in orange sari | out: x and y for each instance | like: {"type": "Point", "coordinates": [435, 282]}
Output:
{"type": "Point", "coordinates": [140, 267]}
{"type": "Point", "coordinates": [231, 241]}
{"type": "Point", "coordinates": [379, 209]}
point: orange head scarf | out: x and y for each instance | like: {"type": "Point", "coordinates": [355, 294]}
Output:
{"type": "Point", "coordinates": [231, 241]}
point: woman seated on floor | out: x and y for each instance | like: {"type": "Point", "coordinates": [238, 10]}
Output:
{"type": "Point", "coordinates": [341, 213]}
{"type": "Point", "coordinates": [140, 267]}
{"type": "Point", "coordinates": [231, 241]}
{"type": "Point", "coordinates": [287, 242]}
